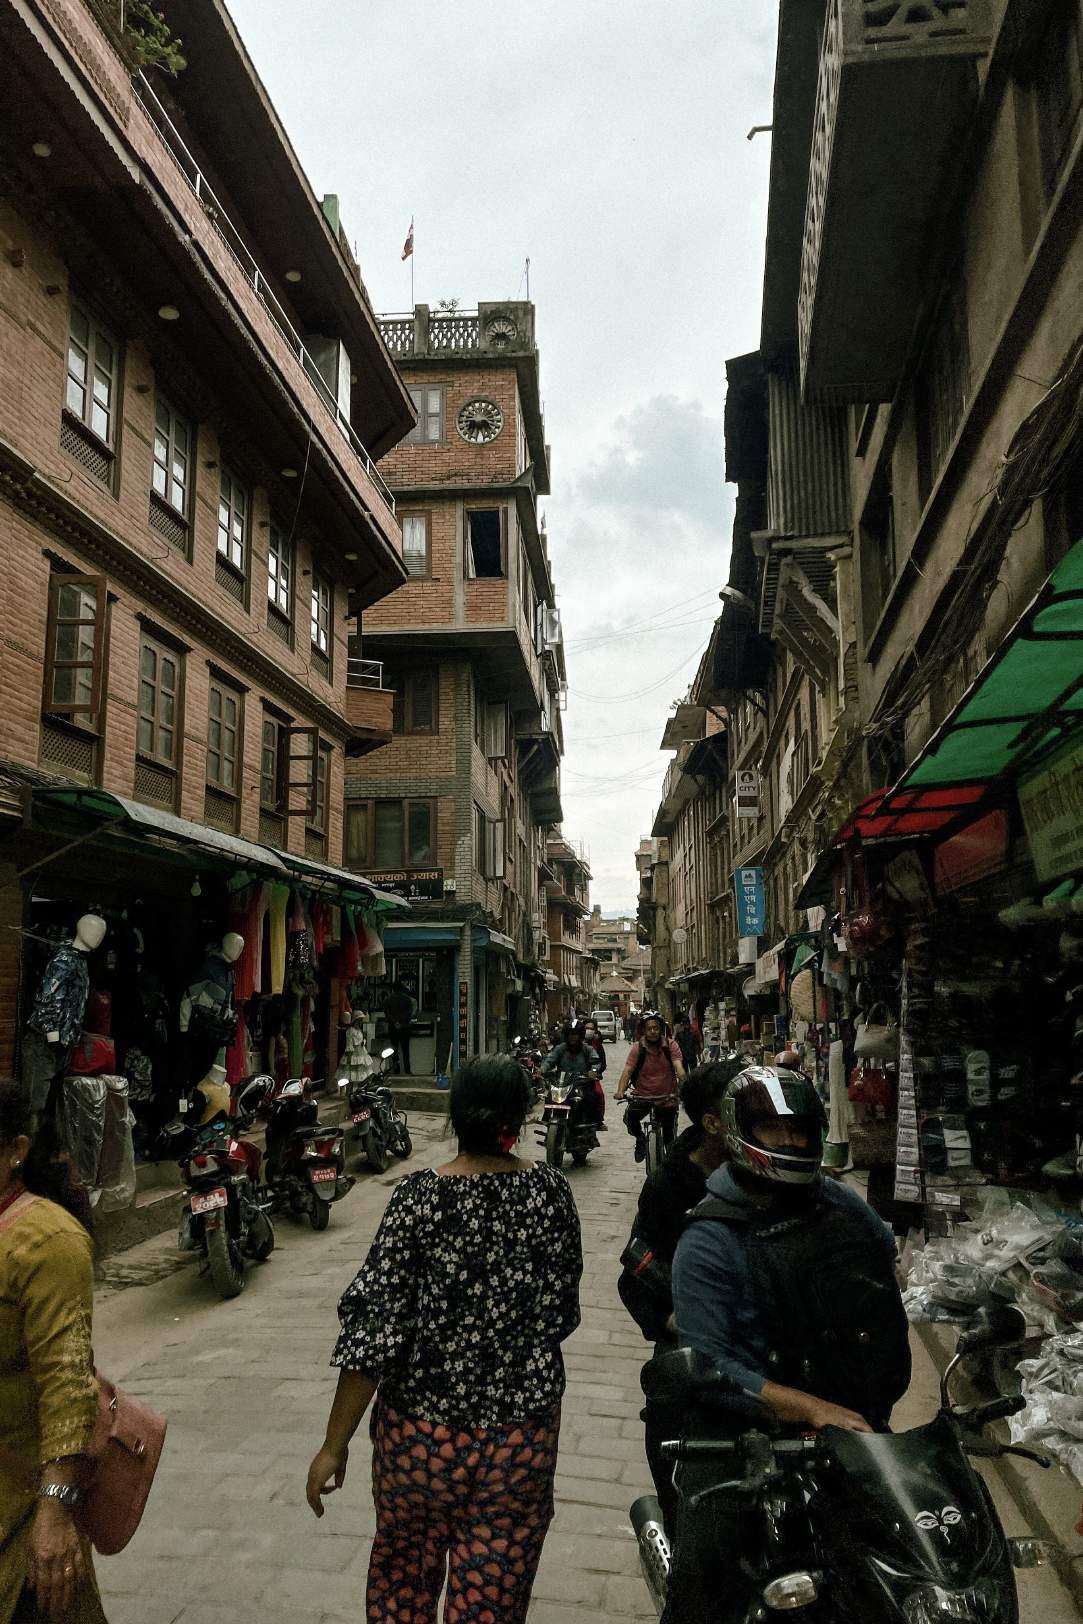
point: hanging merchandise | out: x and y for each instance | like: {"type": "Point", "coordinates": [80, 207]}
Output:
{"type": "Point", "coordinates": [877, 1035]}
{"type": "Point", "coordinates": [280, 896]}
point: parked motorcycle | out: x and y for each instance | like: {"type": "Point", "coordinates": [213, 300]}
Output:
{"type": "Point", "coordinates": [529, 1061]}
{"type": "Point", "coordinates": [223, 1216]}
{"type": "Point", "coordinates": [305, 1167]}
{"type": "Point", "coordinates": [378, 1129]}
{"type": "Point", "coordinates": [567, 1123]}
{"type": "Point", "coordinates": [658, 1127]}
{"type": "Point", "coordinates": [852, 1526]}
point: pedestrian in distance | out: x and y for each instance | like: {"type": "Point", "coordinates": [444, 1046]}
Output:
{"type": "Point", "coordinates": [654, 1069]}
{"type": "Point", "coordinates": [48, 1389]}
{"type": "Point", "coordinates": [687, 1042]}
{"type": "Point", "coordinates": [454, 1325]}
{"type": "Point", "coordinates": [400, 1009]}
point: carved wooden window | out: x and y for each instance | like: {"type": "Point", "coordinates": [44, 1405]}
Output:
{"type": "Point", "coordinates": [390, 834]}
{"type": "Point", "coordinates": [273, 764]}
{"type": "Point", "coordinates": [93, 369]}
{"type": "Point", "coordinates": [416, 703]}
{"type": "Point", "coordinates": [233, 523]}
{"type": "Point", "coordinates": [223, 737]}
{"type": "Point", "coordinates": [279, 572]}
{"type": "Point", "coordinates": [171, 471]}
{"type": "Point", "coordinates": [321, 617]}
{"type": "Point", "coordinates": [75, 646]}
{"type": "Point", "coordinates": [159, 703]}
{"type": "Point", "coordinates": [429, 403]}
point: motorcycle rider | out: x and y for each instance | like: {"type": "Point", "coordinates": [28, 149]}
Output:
{"type": "Point", "coordinates": [575, 1054]}
{"type": "Point", "coordinates": [594, 1041]}
{"type": "Point", "coordinates": [665, 1200]}
{"type": "Point", "coordinates": [786, 1281]}
{"type": "Point", "coordinates": [655, 1069]}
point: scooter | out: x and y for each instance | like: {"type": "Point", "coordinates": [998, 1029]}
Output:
{"type": "Point", "coordinates": [378, 1129]}
{"type": "Point", "coordinates": [305, 1167]}
{"type": "Point", "coordinates": [565, 1125]}
{"type": "Point", "coordinates": [850, 1526]}
{"type": "Point", "coordinates": [223, 1216]}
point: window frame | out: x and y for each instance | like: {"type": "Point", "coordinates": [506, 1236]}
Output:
{"type": "Point", "coordinates": [284, 560]}
{"type": "Point", "coordinates": [162, 402]}
{"type": "Point", "coordinates": [404, 684]}
{"type": "Point", "coordinates": [497, 730]}
{"type": "Point", "coordinates": [155, 755]}
{"type": "Point", "coordinates": [280, 725]}
{"type": "Point", "coordinates": [317, 817]}
{"type": "Point", "coordinates": [490, 847]}
{"type": "Point", "coordinates": [419, 434]}
{"type": "Point", "coordinates": [361, 812]}
{"type": "Point", "coordinates": [469, 570]}
{"type": "Point", "coordinates": [84, 416]}
{"type": "Point", "coordinates": [225, 555]}
{"type": "Point", "coordinates": [225, 691]}
{"type": "Point", "coordinates": [87, 712]}
{"type": "Point", "coordinates": [424, 515]}
{"type": "Point", "coordinates": [319, 585]}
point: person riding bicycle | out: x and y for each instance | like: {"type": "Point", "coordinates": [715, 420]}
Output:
{"type": "Point", "coordinates": [655, 1071]}
{"type": "Point", "coordinates": [575, 1054]}
{"type": "Point", "coordinates": [786, 1282]}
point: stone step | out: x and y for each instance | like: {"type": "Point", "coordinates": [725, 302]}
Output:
{"type": "Point", "coordinates": [419, 1094]}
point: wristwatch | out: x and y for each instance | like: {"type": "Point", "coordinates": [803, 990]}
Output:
{"type": "Point", "coordinates": [66, 1493]}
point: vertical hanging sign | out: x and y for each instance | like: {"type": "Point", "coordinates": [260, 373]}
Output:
{"type": "Point", "coordinates": [746, 792]}
{"type": "Point", "coordinates": [751, 912]}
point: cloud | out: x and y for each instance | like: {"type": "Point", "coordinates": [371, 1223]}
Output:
{"type": "Point", "coordinates": [666, 459]}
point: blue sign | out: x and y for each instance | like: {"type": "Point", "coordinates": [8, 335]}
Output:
{"type": "Point", "coordinates": [751, 913]}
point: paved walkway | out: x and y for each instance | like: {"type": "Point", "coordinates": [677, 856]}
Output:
{"type": "Point", "coordinates": [228, 1538]}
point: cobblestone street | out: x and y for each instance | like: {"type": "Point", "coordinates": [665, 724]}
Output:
{"type": "Point", "coordinates": [246, 1384]}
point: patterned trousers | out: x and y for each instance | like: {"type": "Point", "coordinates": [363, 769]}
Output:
{"type": "Point", "coordinates": [473, 1505]}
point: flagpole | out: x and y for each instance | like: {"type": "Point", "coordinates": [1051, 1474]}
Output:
{"type": "Point", "coordinates": [412, 304]}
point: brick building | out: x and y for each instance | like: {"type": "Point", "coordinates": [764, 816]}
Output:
{"type": "Point", "coordinates": [193, 393]}
{"type": "Point", "coordinates": [456, 808]}
{"type": "Point", "coordinates": [572, 979]}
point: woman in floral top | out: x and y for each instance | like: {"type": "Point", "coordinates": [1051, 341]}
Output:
{"type": "Point", "coordinates": [456, 1320]}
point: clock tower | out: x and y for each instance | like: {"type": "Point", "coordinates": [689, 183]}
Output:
{"type": "Point", "coordinates": [469, 787]}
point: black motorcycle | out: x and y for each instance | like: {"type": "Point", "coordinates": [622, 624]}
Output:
{"type": "Point", "coordinates": [377, 1128]}
{"type": "Point", "coordinates": [224, 1215]}
{"type": "Point", "coordinates": [304, 1169]}
{"type": "Point", "coordinates": [849, 1526]}
{"type": "Point", "coordinates": [529, 1061]}
{"type": "Point", "coordinates": [567, 1123]}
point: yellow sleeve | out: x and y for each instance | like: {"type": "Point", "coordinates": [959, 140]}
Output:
{"type": "Point", "coordinates": [56, 1298]}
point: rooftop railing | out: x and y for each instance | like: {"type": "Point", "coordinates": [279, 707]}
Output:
{"type": "Point", "coordinates": [364, 673]}
{"type": "Point", "coordinates": [174, 144]}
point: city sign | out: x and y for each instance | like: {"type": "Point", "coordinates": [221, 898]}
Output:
{"type": "Point", "coordinates": [415, 884]}
{"type": "Point", "coordinates": [751, 909]}
{"type": "Point", "coordinates": [746, 792]}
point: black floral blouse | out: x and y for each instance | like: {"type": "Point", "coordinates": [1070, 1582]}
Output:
{"type": "Point", "coordinates": [468, 1290]}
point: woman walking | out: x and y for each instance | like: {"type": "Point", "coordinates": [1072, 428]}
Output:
{"type": "Point", "coordinates": [455, 1323]}
{"type": "Point", "coordinates": [48, 1390]}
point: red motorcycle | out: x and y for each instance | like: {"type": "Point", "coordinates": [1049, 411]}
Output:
{"type": "Point", "coordinates": [305, 1169]}
{"type": "Point", "coordinates": [223, 1216]}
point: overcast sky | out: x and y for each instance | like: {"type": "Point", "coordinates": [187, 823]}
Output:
{"type": "Point", "coordinates": [606, 140]}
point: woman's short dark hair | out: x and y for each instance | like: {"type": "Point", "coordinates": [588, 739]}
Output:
{"type": "Point", "coordinates": [46, 1171]}
{"type": "Point", "coordinates": [702, 1090]}
{"type": "Point", "coordinates": [490, 1097]}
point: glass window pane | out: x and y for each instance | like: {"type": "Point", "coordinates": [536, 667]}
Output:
{"type": "Point", "coordinates": [103, 386]}
{"type": "Point", "coordinates": [422, 709]}
{"type": "Point", "coordinates": [64, 686]}
{"type": "Point", "coordinates": [76, 398]}
{"type": "Point", "coordinates": [165, 743]}
{"type": "Point", "coordinates": [419, 823]}
{"type": "Point", "coordinates": [387, 841]}
{"type": "Point", "coordinates": [159, 479]}
{"type": "Point", "coordinates": [67, 641]}
{"type": "Point", "coordinates": [434, 400]}
{"type": "Point", "coordinates": [99, 421]}
{"type": "Point", "coordinates": [146, 735]}
{"type": "Point", "coordinates": [180, 436]}
{"type": "Point", "coordinates": [80, 326]}
{"type": "Point", "coordinates": [216, 701]}
{"type": "Point", "coordinates": [77, 363]}
{"type": "Point", "coordinates": [169, 672]}
{"type": "Point", "coordinates": [103, 353]}
{"type": "Point", "coordinates": [150, 661]}
{"type": "Point", "coordinates": [214, 766]}
{"type": "Point", "coordinates": [229, 773]}
{"type": "Point", "coordinates": [162, 416]}
{"type": "Point", "coordinates": [357, 829]}
{"type": "Point", "coordinates": [229, 709]}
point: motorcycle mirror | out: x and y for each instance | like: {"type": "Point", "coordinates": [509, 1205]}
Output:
{"type": "Point", "coordinates": [344, 1082]}
{"type": "Point", "coordinates": [674, 1377]}
{"type": "Point", "coordinates": [387, 1054]}
{"type": "Point", "coordinates": [517, 1040]}
{"type": "Point", "coordinates": [997, 1326]}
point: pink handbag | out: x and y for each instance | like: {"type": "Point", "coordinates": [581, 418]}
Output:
{"type": "Point", "coordinates": [124, 1454]}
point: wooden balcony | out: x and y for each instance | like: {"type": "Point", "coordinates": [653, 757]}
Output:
{"type": "Point", "coordinates": [897, 81]}
{"type": "Point", "coordinates": [369, 707]}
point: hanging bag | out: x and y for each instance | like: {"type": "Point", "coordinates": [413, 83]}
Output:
{"type": "Point", "coordinates": [877, 1038]}
{"type": "Point", "coordinates": [124, 1456]}
{"type": "Point", "coordinates": [871, 1085]}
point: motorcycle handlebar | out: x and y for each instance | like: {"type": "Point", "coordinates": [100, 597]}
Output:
{"type": "Point", "coordinates": [995, 1410]}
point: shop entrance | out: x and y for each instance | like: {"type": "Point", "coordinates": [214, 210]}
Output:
{"type": "Point", "coordinates": [427, 979]}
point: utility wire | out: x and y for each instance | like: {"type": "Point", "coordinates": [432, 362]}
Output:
{"type": "Point", "coordinates": [623, 699]}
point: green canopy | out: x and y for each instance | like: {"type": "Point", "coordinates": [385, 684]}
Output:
{"type": "Point", "coordinates": [1026, 702]}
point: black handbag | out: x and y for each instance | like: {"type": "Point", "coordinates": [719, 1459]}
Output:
{"type": "Point", "coordinates": [210, 1023]}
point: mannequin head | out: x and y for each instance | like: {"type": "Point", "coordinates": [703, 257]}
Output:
{"type": "Point", "coordinates": [89, 933]}
{"type": "Point", "coordinates": [232, 946]}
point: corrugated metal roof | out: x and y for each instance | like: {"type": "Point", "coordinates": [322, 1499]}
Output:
{"type": "Point", "coordinates": [808, 469]}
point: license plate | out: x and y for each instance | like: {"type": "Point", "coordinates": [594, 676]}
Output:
{"type": "Point", "coordinates": [208, 1202]}
{"type": "Point", "coordinates": [323, 1175]}
{"type": "Point", "coordinates": [361, 1116]}
{"type": "Point", "coordinates": [551, 1108]}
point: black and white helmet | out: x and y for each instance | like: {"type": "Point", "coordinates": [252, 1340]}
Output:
{"type": "Point", "coordinates": [773, 1094]}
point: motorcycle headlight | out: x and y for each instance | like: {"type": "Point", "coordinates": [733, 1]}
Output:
{"type": "Point", "coordinates": [977, 1604]}
{"type": "Point", "coordinates": [558, 1092]}
{"type": "Point", "coordinates": [792, 1591]}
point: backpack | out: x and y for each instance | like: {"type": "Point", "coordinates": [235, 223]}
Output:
{"type": "Point", "coordinates": [642, 1057]}
{"type": "Point", "coordinates": [833, 1314]}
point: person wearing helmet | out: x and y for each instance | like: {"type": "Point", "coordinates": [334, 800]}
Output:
{"type": "Point", "coordinates": [575, 1054]}
{"type": "Point", "coordinates": [655, 1070]}
{"type": "Point", "coordinates": [786, 1282]}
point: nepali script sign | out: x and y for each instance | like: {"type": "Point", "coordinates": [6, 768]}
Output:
{"type": "Point", "coordinates": [1052, 805]}
{"type": "Point", "coordinates": [751, 914]}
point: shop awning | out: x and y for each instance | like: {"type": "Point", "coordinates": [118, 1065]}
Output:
{"type": "Point", "coordinates": [482, 936]}
{"type": "Point", "coordinates": [400, 936]}
{"type": "Point", "coordinates": [340, 883]}
{"type": "Point", "coordinates": [1026, 703]}
{"type": "Point", "coordinates": [195, 842]}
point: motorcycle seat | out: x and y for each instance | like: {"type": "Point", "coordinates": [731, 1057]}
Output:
{"type": "Point", "coordinates": [315, 1130]}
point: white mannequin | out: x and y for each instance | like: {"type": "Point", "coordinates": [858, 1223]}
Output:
{"type": "Point", "coordinates": [232, 946]}
{"type": "Point", "coordinates": [230, 949]}
{"type": "Point", "coordinates": [89, 933]}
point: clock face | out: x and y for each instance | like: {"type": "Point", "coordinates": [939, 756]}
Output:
{"type": "Point", "coordinates": [501, 330]}
{"type": "Point", "coordinates": [480, 421]}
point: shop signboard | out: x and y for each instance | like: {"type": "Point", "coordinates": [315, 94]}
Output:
{"type": "Point", "coordinates": [1052, 805]}
{"type": "Point", "coordinates": [767, 966]}
{"type": "Point", "coordinates": [751, 910]}
{"type": "Point", "coordinates": [746, 792]}
{"type": "Point", "coordinates": [415, 884]}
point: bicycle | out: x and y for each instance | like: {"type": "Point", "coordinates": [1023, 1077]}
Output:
{"type": "Point", "coordinates": [658, 1127]}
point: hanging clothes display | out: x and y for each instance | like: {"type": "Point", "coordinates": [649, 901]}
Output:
{"type": "Point", "coordinates": [280, 896]}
